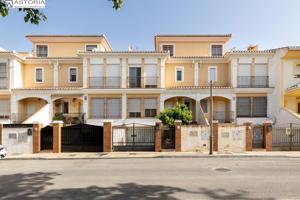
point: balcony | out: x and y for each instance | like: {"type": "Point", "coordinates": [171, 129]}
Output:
{"type": "Point", "coordinates": [223, 116]}
{"type": "Point", "coordinates": [70, 118]}
{"type": "Point", "coordinates": [143, 82]}
{"type": "Point", "coordinates": [3, 82]}
{"type": "Point", "coordinates": [104, 82]}
{"type": "Point", "coordinates": [18, 118]}
{"type": "Point", "coordinates": [253, 81]}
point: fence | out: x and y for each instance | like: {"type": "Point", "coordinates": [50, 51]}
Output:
{"type": "Point", "coordinates": [195, 138]}
{"type": "Point", "coordinates": [231, 138]}
{"type": "Point", "coordinates": [17, 138]}
{"type": "Point", "coordinates": [286, 139]}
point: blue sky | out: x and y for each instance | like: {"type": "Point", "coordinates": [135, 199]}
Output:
{"type": "Point", "coordinates": [269, 23]}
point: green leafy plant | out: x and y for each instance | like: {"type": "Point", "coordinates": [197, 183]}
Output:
{"type": "Point", "coordinates": [58, 117]}
{"type": "Point", "coordinates": [178, 112]}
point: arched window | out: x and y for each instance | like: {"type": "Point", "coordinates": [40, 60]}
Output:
{"type": "Point", "coordinates": [297, 71]}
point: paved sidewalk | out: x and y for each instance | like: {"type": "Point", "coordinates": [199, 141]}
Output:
{"type": "Point", "coordinates": [124, 155]}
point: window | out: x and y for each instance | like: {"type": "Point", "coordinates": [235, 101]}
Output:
{"type": "Point", "coordinates": [3, 70]}
{"type": "Point", "coordinates": [39, 75]}
{"type": "Point", "coordinates": [113, 108]}
{"type": "Point", "coordinates": [150, 107]}
{"type": "Point", "coordinates": [65, 108]}
{"type": "Point", "coordinates": [91, 47]}
{"type": "Point", "coordinates": [97, 108]}
{"type": "Point", "coordinates": [251, 106]}
{"type": "Point", "coordinates": [41, 50]}
{"type": "Point", "coordinates": [169, 49]}
{"type": "Point", "coordinates": [212, 74]}
{"type": "Point", "coordinates": [150, 73]}
{"type": "Point", "coordinates": [217, 50]}
{"type": "Point", "coordinates": [4, 108]}
{"type": "Point", "coordinates": [297, 71]}
{"type": "Point", "coordinates": [179, 74]}
{"type": "Point", "coordinates": [135, 77]}
{"type": "Point", "coordinates": [134, 107]}
{"type": "Point", "coordinates": [73, 74]}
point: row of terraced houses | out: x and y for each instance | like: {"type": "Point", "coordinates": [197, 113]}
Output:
{"type": "Point", "coordinates": [80, 78]}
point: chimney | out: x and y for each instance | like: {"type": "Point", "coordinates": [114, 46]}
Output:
{"type": "Point", "coordinates": [252, 48]}
{"type": "Point", "coordinates": [129, 48]}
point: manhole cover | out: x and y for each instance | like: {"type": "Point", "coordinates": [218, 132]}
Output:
{"type": "Point", "coordinates": [222, 169]}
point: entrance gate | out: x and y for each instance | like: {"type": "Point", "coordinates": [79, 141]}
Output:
{"type": "Point", "coordinates": [258, 138]}
{"type": "Point", "coordinates": [133, 137]}
{"type": "Point", "coordinates": [47, 138]}
{"type": "Point", "coordinates": [82, 138]}
{"type": "Point", "coordinates": [168, 138]}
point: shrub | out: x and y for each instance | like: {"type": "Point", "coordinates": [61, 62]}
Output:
{"type": "Point", "coordinates": [178, 112]}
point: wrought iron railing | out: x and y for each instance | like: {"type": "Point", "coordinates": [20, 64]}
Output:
{"type": "Point", "coordinates": [105, 82]}
{"type": "Point", "coordinates": [18, 118]}
{"type": "Point", "coordinates": [140, 82]}
{"type": "Point", "coordinates": [70, 118]}
{"type": "Point", "coordinates": [223, 116]}
{"type": "Point", "coordinates": [253, 81]}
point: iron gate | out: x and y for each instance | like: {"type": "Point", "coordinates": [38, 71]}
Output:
{"type": "Point", "coordinates": [47, 138]}
{"type": "Point", "coordinates": [82, 138]}
{"type": "Point", "coordinates": [168, 138]}
{"type": "Point", "coordinates": [134, 137]}
{"type": "Point", "coordinates": [258, 137]}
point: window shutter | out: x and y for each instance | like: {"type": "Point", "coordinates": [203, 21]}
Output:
{"type": "Point", "coordinates": [3, 72]}
{"type": "Point", "coordinates": [260, 70]}
{"type": "Point", "coordinates": [150, 103]}
{"type": "Point", "coordinates": [150, 72]}
{"type": "Point", "coordinates": [134, 105]}
{"type": "Point", "coordinates": [259, 107]}
{"type": "Point", "coordinates": [97, 105]}
{"type": "Point", "coordinates": [113, 108]}
{"type": "Point", "coordinates": [245, 70]}
{"type": "Point", "coordinates": [4, 107]}
{"type": "Point", "coordinates": [113, 76]}
{"type": "Point", "coordinates": [243, 106]}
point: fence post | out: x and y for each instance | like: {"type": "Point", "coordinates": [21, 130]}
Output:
{"type": "Point", "coordinates": [215, 135]}
{"type": "Point", "coordinates": [267, 127]}
{"type": "Point", "coordinates": [249, 136]}
{"type": "Point", "coordinates": [1, 131]}
{"type": "Point", "coordinates": [57, 125]}
{"type": "Point", "coordinates": [107, 136]}
{"type": "Point", "coordinates": [158, 133]}
{"type": "Point", "coordinates": [36, 138]}
{"type": "Point", "coordinates": [178, 135]}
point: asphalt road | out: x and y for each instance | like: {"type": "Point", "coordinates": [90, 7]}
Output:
{"type": "Point", "coordinates": [152, 178]}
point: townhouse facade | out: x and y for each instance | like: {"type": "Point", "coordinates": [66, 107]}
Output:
{"type": "Point", "coordinates": [80, 79]}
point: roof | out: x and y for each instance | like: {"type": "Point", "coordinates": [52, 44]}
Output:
{"type": "Point", "coordinates": [197, 35]}
{"type": "Point", "coordinates": [158, 53]}
{"type": "Point", "coordinates": [100, 35]}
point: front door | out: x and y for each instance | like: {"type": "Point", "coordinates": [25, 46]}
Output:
{"type": "Point", "coordinates": [135, 77]}
{"type": "Point", "coordinates": [65, 107]}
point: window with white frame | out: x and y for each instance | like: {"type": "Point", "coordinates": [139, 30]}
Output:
{"type": "Point", "coordinates": [39, 75]}
{"type": "Point", "coordinates": [179, 74]}
{"type": "Point", "coordinates": [150, 106]}
{"type": "Point", "coordinates": [3, 70]}
{"type": "Point", "coordinates": [42, 50]}
{"type": "Point", "coordinates": [134, 107]}
{"type": "Point", "coordinates": [73, 73]}
{"type": "Point", "coordinates": [212, 74]}
{"type": "Point", "coordinates": [168, 48]}
{"type": "Point", "coordinates": [91, 47]}
{"type": "Point", "coordinates": [4, 108]}
{"type": "Point", "coordinates": [216, 50]}
{"type": "Point", "coordinates": [114, 108]}
{"type": "Point", "coordinates": [97, 108]}
{"type": "Point", "coordinates": [297, 71]}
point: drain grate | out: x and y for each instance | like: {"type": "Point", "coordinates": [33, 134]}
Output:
{"type": "Point", "coordinates": [222, 169]}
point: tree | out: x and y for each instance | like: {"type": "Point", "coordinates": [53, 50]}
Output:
{"type": "Point", "coordinates": [178, 112]}
{"type": "Point", "coordinates": [35, 16]}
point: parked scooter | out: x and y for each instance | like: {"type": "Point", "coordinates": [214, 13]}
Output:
{"type": "Point", "coordinates": [3, 152]}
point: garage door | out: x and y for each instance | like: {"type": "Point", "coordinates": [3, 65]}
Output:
{"type": "Point", "coordinates": [82, 138]}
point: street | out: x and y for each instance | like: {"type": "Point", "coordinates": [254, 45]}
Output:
{"type": "Point", "coordinates": [151, 178]}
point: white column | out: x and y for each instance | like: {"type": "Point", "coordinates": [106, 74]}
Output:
{"type": "Point", "coordinates": [124, 106]}
{"type": "Point", "coordinates": [234, 72]}
{"type": "Point", "coordinates": [124, 74]}
{"type": "Point", "coordinates": [162, 73]}
{"type": "Point", "coordinates": [86, 106]}
{"type": "Point", "coordinates": [85, 73]}
{"type": "Point", "coordinates": [10, 67]}
{"type": "Point", "coordinates": [161, 103]}
{"type": "Point", "coordinates": [197, 111]}
{"type": "Point", "coordinates": [55, 75]}
{"type": "Point", "coordinates": [196, 74]}
{"type": "Point", "coordinates": [233, 106]}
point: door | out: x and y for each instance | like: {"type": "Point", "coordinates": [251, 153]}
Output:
{"type": "Point", "coordinates": [65, 108]}
{"type": "Point", "coordinates": [113, 76]}
{"type": "Point", "coordinates": [47, 138]}
{"type": "Point", "coordinates": [97, 76]}
{"type": "Point", "coordinates": [260, 75]}
{"type": "Point", "coordinates": [134, 77]}
{"type": "Point", "coordinates": [258, 138]}
{"type": "Point", "coordinates": [244, 75]}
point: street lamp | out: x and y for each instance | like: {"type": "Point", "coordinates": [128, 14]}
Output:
{"type": "Point", "coordinates": [211, 117]}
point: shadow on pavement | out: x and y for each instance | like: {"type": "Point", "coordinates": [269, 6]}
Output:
{"type": "Point", "coordinates": [34, 186]}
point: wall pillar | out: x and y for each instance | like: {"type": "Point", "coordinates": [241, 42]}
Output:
{"type": "Point", "coordinates": [215, 135]}
{"type": "Point", "coordinates": [107, 136]}
{"type": "Point", "coordinates": [36, 138]}
{"type": "Point", "coordinates": [124, 73]}
{"type": "Point", "coordinates": [249, 136]}
{"type": "Point", "coordinates": [57, 126]}
{"type": "Point", "coordinates": [267, 135]}
{"type": "Point", "coordinates": [234, 72]}
{"type": "Point", "coordinates": [178, 124]}
{"type": "Point", "coordinates": [1, 131]}
{"type": "Point", "coordinates": [56, 73]}
{"type": "Point", "coordinates": [158, 132]}
{"type": "Point", "coordinates": [85, 73]}
{"type": "Point", "coordinates": [124, 106]}
{"type": "Point", "coordinates": [85, 106]}
{"type": "Point", "coordinates": [162, 73]}
{"type": "Point", "coordinates": [196, 74]}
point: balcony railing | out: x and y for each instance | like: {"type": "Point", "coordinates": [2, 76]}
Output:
{"type": "Point", "coordinates": [142, 82]}
{"type": "Point", "coordinates": [4, 116]}
{"type": "Point", "coordinates": [253, 81]}
{"type": "Point", "coordinates": [70, 118]}
{"type": "Point", "coordinates": [105, 82]}
{"type": "Point", "coordinates": [3, 83]}
{"type": "Point", "coordinates": [223, 116]}
{"type": "Point", "coordinates": [105, 116]}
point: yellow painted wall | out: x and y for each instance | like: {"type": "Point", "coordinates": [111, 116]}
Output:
{"type": "Point", "coordinates": [188, 74]}
{"type": "Point", "coordinates": [63, 75]}
{"type": "Point", "coordinates": [291, 102]}
{"type": "Point", "coordinates": [29, 76]}
{"type": "Point", "coordinates": [22, 105]}
{"type": "Point", "coordinates": [75, 105]}
{"type": "Point", "coordinates": [223, 74]}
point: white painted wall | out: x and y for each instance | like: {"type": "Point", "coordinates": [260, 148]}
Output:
{"type": "Point", "coordinates": [42, 116]}
{"type": "Point", "coordinates": [195, 138]}
{"type": "Point", "coordinates": [231, 139]}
